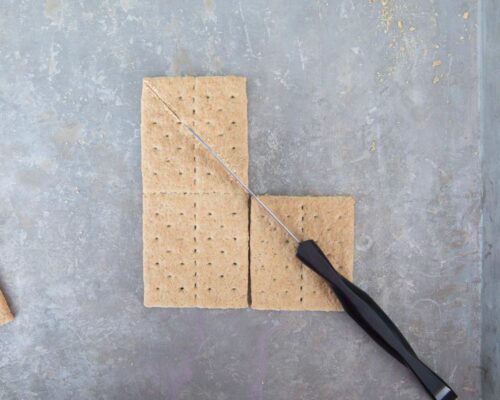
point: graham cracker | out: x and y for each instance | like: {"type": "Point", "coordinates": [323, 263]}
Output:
{"type": "Point", "coordinates": [195, 220]}
{"type": "Point", "coordinates": [5, 313]}
{"type": "Point", "coordinates": [278, 280]}
{"type": "Point", "coordinates": [172, 160]}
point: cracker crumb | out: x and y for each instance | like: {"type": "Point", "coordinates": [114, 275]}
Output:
{"type": "Point", "coordinates": [386, 15]}
{"type": "Point", "coordinates": [465, 15]}
{"type": "Point", "coordinates": [436, 63]}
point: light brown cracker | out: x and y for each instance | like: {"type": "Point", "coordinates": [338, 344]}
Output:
{"type": "Point", "coordinates": [195, 250]}
{"type": "Point", "coordinates": [5, 313]}
{"type": "Point", "coordinates": [195, 221]}
{"type": "Point", "coordinates": [172, 160]}
{"type": "Point", "coordinates": [278, 280]}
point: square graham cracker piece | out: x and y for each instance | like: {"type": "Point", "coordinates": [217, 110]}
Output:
{"type": "Point", "coordinates": [278, 280]}
{"type": "Point", "coordinates": [195, 218]}
{"type": "Point", "coordinates": [196, 250]}
{"type": "Point", "coordinates": [5, 313]}
{"type": "Point", "coordinates": [172, 160]}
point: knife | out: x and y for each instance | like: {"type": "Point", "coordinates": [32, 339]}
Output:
{"type": "Point", "coordinates": [358, 304]}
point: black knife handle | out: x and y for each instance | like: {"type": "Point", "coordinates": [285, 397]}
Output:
{"type": "Point", "coordinates": [367, 314]}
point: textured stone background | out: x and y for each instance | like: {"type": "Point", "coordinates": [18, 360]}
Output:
{"type": "Point", "coordinates": [375, 99]}
{"type": "Point", "coordinates": [490, 124]}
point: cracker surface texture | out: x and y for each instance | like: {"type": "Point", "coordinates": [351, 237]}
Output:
{"type": "Point", "coordinates": [278, 280]}
{"type": "Point", "coordinates": [195, 218]}
{"type": "Point", "coordinates": [5, 313]}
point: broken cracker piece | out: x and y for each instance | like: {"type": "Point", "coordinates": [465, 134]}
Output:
{"type": "Point", "coordinates": [278, 280]}
{"type": "Point", "coordinates": [5, 313]}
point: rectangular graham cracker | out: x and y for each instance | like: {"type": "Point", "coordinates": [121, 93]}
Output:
{"type": "Point", "coordinates": [5, 313]}
{"type": "Point", "coordinates": [278, 280]}
{"type": "Point", "coordinates": [195, 218]}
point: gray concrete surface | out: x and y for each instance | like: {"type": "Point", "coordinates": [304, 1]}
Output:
{"type": "Point", "coordinates": [490, 111]}
{"type": "Point", "coordinates": [378, 100]}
